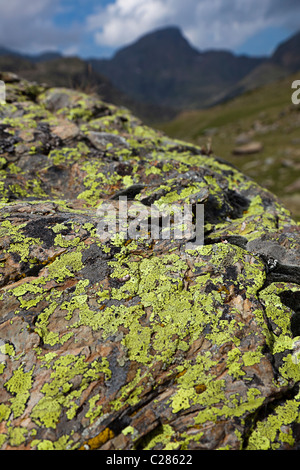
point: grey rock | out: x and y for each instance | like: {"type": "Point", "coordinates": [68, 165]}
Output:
{"type": "Point", "coordinates": [101, 139]}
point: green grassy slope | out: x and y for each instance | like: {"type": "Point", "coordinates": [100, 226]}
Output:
{"type": "Point", "coordinates": [265, 115]}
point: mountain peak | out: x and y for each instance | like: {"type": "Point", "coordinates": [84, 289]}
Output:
{"type": "Point", "coordinates": [168, 40]}
{"type": "Point", "coordinates": [287, 53]}
{"type": "Point", "coordinates": [173, 32]}
{"type": "Point", "coordinates": [162, 68]}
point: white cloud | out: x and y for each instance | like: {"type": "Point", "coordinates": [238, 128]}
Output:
{"type": "Point", "coordinates": [125, 20]}
{"type": "Point", "coordinates": [28, 26]}
{"type": "Point", "coordinates": [206, 23]}
{"type": "Point", "coordinates": [9, 10]}
{"type": "Point", "coordinates": [218, 25]}
{"type": "Point", "coordinates": [70, 51]}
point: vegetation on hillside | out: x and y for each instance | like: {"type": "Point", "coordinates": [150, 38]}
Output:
{"type": "Point", "coordinates": [265, 115]}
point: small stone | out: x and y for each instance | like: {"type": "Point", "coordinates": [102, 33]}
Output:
{"type": "Point", "coordinates": [102, 139]}
{"type": "Point", "coordinates": [247, 149]}
{"type": "Point", "coordinates": [66, 130]}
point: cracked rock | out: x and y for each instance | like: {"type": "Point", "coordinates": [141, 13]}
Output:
{"type": "Point", "coordinates": [137, 342]}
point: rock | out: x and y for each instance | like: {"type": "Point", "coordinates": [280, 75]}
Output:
{"type": "Point", "coordinates": [243, 138]}
{"type": "Point", "coordinates": [249, 148]}
{"type": "Point", "coordinates": [103, 139]}
{"type": "Point", "coordinates": [65, 131]}
{"type": "Point", "coordinates": [9, 77]}
{"type": "Point", "coordinates": [138, 343]}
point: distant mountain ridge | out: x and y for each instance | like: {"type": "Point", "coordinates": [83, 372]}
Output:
{"type": "Point", "coordinates": [283, 62]}
{"type": "Point", "coordinates": [287, 54]}
{"type": "Point", "coordinates": [47, 55]}
{"type": "Point", "coordinates": [76, 73]}
{"type": "Point", "coordinates": [162, 68]}
{"type": "Point", "coordinates": [161, 73]}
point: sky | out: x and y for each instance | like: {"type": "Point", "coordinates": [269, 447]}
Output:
{"type": "Point", "coordinates": [98, 28]}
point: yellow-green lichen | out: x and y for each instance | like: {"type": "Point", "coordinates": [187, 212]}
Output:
{"type": "Point", "coordinates": [58, 392]}
{"type": "Point", "coordinates": [17, 436]}
{"type": "Point", "coordinates": [63, 443]}
{"type": "Point", "coordinates": [4, 412]}
{"type": "Point", "coordinates": [150, 307]}
{"type": "Point", "coordinates": [19, 385]}
{"type": "Point", "coordinates": [269, 432]}
{"type": "Point", "coordinates": [94, 410]}
{"type": "Point", "coordinates": [161, 436]}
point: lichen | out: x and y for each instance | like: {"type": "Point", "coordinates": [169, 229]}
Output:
{"type": "Point", "coordinates": [18, 436]}
{"type": "Point", "coordinates": [269, 432]}
{"type": "Point", "coordinates": [98, 440]}
{"type": "Point", "coordinates": [63, 443]}
{"type": "Point", "coordinates": [19, 385]}
{"type": "Point", "coordinates": [114, 328]}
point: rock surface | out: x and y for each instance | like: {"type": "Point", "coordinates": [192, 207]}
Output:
{"type": "Point", "coordinates": [138, 343]}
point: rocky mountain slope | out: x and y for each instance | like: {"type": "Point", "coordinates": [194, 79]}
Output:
{"type": "Point", "coordinates": [283, 62]}
{"type": "Point", "coordinates": [287, 54]}
{"type": "Point", "coordinates": [162, 68]}
{"type": "Point", "coordinates": [73, 72]}
{"type": "Point", "coordinates": [264, 120]}
{"type": "Point", "coordinates": [161, 73]}
{"type": "Point", "coordinates": [141, 341]}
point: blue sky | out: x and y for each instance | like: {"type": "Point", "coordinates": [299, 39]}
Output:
{"type": "Point", "coordinates": [97, 28]}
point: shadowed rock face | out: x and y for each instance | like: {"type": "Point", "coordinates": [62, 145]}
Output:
{"type": "Point", "coordinates": [137, 343]}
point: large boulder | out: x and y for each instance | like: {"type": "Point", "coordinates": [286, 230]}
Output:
{"type": "Point", "coordinates": [138, 343]}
